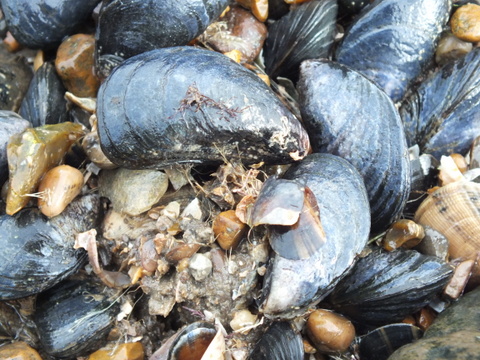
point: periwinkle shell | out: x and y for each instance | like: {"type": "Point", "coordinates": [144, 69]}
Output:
{"type": "Point", "coordinates": [291, 285]}
{"type": "Point", "coordinates": [44, 103]}
{"type": "Point", "coordinates": [279, 342]}
{"type": "Point", "coordinates": [392, 42]}
{"type": "Point", "coordinates": [183, 104]}
{"type": "Point", "coordinates": [442, 115]}
{"type": "Point", "coordinates": [130, 27]}
{"type": "Point", "coordinates": [306, 32]}
{"type": "Point", "coordinates": [37, 252]}
{"type": "Point", "coordinates": [384, 287]}
{"type": "Point", "coordinates": [347, 115]}
{"type": "Point", "coordinates": [44, 23]}
{"type": "Point", "coordinates": [74, 318]}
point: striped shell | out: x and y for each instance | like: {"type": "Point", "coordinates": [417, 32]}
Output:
{"type": "Point", "coordinates": [454, 210]}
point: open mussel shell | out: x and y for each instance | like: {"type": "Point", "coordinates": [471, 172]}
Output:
{"type": "Point", "coordinates": [44, 103]}
{"type": "Point", "coordinates": [441, 115]}
{"type": "Point", "coordinates": [392, 42]}
{"type": "Point", "coordinates": [38, 252]}
{"type": "Point", "coordinates": [131, 27]}
{"type": "Point", "coordinates": [188, 105]}
{"type": "Point", "coordinates": [74, 318]}
{"type": "Point", "coordinates": [382, 342]}
{"type": "Point", "coordinates": [279, 342]}
{"type": "Point", "coordinates": [306, 32]}
{"type": "Point", "coordinates": [454, 211]}
{"type": "Point", "coordinates": [39, 23]}
{"type": "Point", "coordinates": [333, 102]}
{"type": "Point", "coordinates": [10, 123]}
{"type": "Point", "coordinates": [384, 287]}
{"type": "Point", "coordinates": [290, 285]}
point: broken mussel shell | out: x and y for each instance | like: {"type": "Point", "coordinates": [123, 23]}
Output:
{"type": "Point", "coordinates": [393, 42]}
{"type": "Point", "coordinates": [339, 231]}
{"type": "Point", "coordinates": [306, 32]}
{"type": "Point", "coordinates": [39, 24]}
{"type": "Point", "coordinates": [372, 138]}
{"type": "Point", "coordinates": [454, 211]}
{"type": "Point", "coordinates": [74, 318]}
{"type": "Point", "coordinates": [279, 342]}
{"type": "Point", "coordinates": [382, 342]}
{"type": "Point", "coordinates": [188, 105]}
{"type": "Point", "coordinates": [192, 343]}
{"type": "Point", "coordinates": [441, 115]}
{"type": "Point", "coordinates": [38, 252]}
{"type": "Point", "coordinates": [131, 27]}
{"type": "Point", "coordinates": [384, 287]}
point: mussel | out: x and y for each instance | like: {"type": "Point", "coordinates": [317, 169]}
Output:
{"type": "Point", "coordinates": [130, 27]}
{"type": "Point", "coordinates": [347, 115]}
{"type": "Point", "coordinates": [441, 115]}
{"type": "Point", "coordinates": [38, 252]}
{"type": "Point", "coordinates": [188, 105]}
{"type": "Point", "coordinates": [74, 318]}
{"type": "Point", "coordinates": [306, 32]}
{"type": "Point", "coordinates": [384, 287]}
{"type": "Point", "coordinates": [293, 283]}
{"type": "Point", "coordinates": [279, 342]}
{"type": "Point", "coordinates": [41, 23]}
{"type": "Point", "coordinates": [15, 76]}
{"type": "Point", "coordinates": [393, 41]}
{"type": "Point", "coordinates": [44, 103]}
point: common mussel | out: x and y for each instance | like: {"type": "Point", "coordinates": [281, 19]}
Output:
{"type": "Point", "coordinates": [234, 179]}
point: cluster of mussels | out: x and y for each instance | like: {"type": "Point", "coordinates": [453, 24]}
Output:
{"type": "Point", "coordinates": [239, 179]}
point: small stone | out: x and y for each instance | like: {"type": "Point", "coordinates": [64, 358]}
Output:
{"type": "Point", "coordinates": [330, 332]}
{"type": "Point", "coordinates": [242, 319]}
{"type": "Point", "coordinates": [200, 266]}
{"type": "Point", "coordinates": [128, 351]}
{"type": "Point", "coordinates": [403, 233]}
{"type": "Point", "coordinates": [75, 65]}
{"type": "Point", "coordinates": [425, 318]}
{"type": "Point", "coordinates": [228, 229]}
{"type": "Point", "coordinates": [451, 48]}
{"type": "Point", "coordinates": [132, 191]}
{"type": "Point", "coordinates": [465, 23]}
{"type": "Point", "coordinates": [18, 351]}
{"type": "Point", "coordinates": [434, 243]}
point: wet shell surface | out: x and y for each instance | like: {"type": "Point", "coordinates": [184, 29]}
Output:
{"type": "Point", "coordinates": [442, 115]}
{"type": "Point", "coordinates": [37, 253]}
{"type": "Point", "coordinates": [333, 102]}
{"type": "Point", "coordinates": [187, 105]}
{"type": "Point", "coordinates": [290, 285]}
{"type": "Point", "coordinates": [454, 211]}
{"type": "Point", "coordinates": [393, 41]}
{"type": "Point", "coordinates": [306, 32]}
{"type": "Point", "coordinates": [131, 27]}
{"type": "Point", "coordinates": [384, 287]}
{"type": "Point", "coordinates": [44, 23]}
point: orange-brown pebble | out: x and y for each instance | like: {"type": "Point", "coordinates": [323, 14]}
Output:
{"type": "Point", "coordinates": [460, 162]}
{"type": "Point", "coordinates": [330, 332]}
{"type": "Point", "coordinates": [38, 60]}
{"type": "Point", "coordinates": [11, 44]}
{"type": "Point", "coordinates": [465, 23]}
{"type": "Point", "coordinates": [403, 233]}
{"type": "Point", "coordinates": [18, 351]}
{"type": "Point", "coordinates": [228, 229]}
{"type": "Point", "coordinates": [129, 351]}
{"type": "Point", "coordinates": [409, 320]}
{"type": "Point", "coordinates": [308, 347]}
{"type": "Point", "coordinates": [58, 188]}
{"type": "Point", "coordinates": [259, 8]}
{"type": "Point", "coordinates": [235, 55]}
{"type": "Point", "coordinates": [75, 65]}
{"type": "Point", "coordinates": [425, 318]}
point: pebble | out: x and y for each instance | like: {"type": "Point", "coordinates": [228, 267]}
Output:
{"type": "Point", "coordinates": [403, 233]}
{"type": "Point", "coordinates": [455, 334]}
{"type": "Point", "coordinates": [228, 229]}
{"type": "Point", "coordinates": [132, 191]}
{"type": "Point", "coordinates": [75, 65]}
{"type": "Point", "coordinates": [451, 48]}
{"type": "Point", "coordinates": [200, 266]}
{"type": "Point", "coordinates": [465, 23]}
{"type": "Point", "coordinates": [128, 351]}
{"type": "Point", "coordinates": [18, 351]}
{"type": "Point", "coordinates": [330, 332]}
